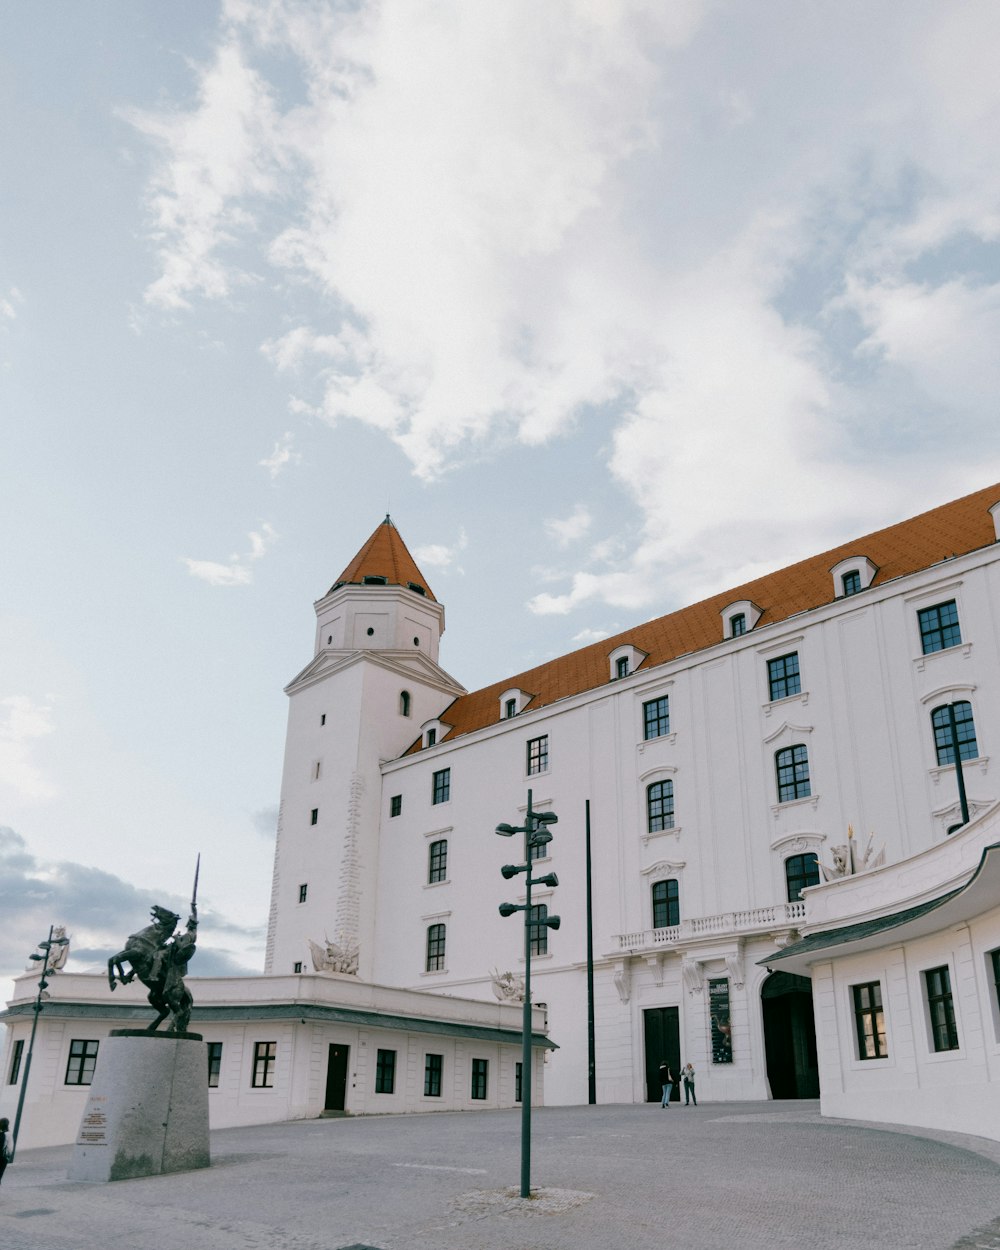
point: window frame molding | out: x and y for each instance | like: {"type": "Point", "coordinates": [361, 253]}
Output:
{"type": "Point", "coordinates": [931, 598]}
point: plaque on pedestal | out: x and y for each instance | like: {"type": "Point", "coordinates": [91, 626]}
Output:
{"type": "Point", "coordinates": [148, 1108]}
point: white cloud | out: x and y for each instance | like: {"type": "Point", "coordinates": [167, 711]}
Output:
{"type": "Point", "coordinates": [22, 722]}
{"type": "Point", "coordinates": [9, 302]}
{"type": "Point", "coordinates": [586, 636]}
{"type": "Point", "coordinates": [735, 235]}
{"type": "Point", "coordinates": [237, 571]}
{"type": "Point", "coordinates": [281, 457]}
{"type": "Point", "coordinates": [569, 529]}
{"type": "Point", "coordinates": [441, 555]}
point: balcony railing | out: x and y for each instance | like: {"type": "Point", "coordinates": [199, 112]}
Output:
{"type": "Point", "coordinates": [754, 920]}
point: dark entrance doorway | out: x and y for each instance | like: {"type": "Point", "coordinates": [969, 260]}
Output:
{"type": "Point", "coordinates": [661, 1040]}
{"type": "Point", "coordinates": [336, 1077]}
{"type": "Point", "coordinates": [790, 1036]}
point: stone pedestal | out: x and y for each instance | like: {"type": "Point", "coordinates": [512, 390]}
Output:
{"type": "Point", "coordinates": [148, 1108]}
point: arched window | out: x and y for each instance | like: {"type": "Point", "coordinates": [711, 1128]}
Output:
{"type": "Point", "coordinates": [965, 731]}
{"type": "Point", "coordinates": [404, 703]}
{"type": "Point", "coordinates": [660, 806]}
{"type": "Point", "coordinates": [738, 625]}
{"type": "Point", "coordinates": [666, 904]}
{"type": "Point", "coordinates": [792, 767]}
{"type": "Point", "coordinates": [800, 871]}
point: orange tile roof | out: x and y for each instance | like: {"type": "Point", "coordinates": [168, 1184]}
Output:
{"type": "Point", "coordinates": [955, 528]}
{"type": "Point", "coordinates": [384, 555]}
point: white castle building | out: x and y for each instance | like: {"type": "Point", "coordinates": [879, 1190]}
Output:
{"type": "Point", "coordinates": [726, 752]}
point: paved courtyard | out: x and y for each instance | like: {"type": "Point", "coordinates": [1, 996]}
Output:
{"type": "Point", "coordinates": [750, 1175]}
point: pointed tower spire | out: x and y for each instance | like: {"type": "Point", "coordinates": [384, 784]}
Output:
{"type": "Point", "coordinates": [384, 560]}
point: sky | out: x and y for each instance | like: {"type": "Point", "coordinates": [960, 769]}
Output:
{"type": "Point", "coordinates": [611, 304]}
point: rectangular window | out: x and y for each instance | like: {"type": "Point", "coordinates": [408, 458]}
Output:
{"type": "Point", "coordinates": [433, 1065]}
{"type": "Point", "coordinates": [322, 719]}
{"type": "Point", "coordinates": [15, 1062]}
{"type": "Point", "coordinates": [441, 788]}
{"type": "Point", "coordinates": [432, 737]}
{"type": "Point", "coordinates": [303, 893]}
{"type": "Point", "coordinates": [851, 582]}
{"type": "Point", "coordinates": [438, 868]}
{"type": "Point", "coordinates": [436, 936]}
{"type": "Point", "coordinates": [659, 806]}
{"type": "Point", "coordinates": [535, 848]}
{"type": "Point", "coordinates": [510, 708]}
{"type": "Point", "coordinates": [539, 939]}
{"type": "Point", "coordinates": [941, 1008]}
{"type": "Point", "coordinates": [792, 766]}
{"type": "Point", "coordinates": [666, 904]}
{"type": "Point", "coordinates": [395, 805]}
{"type": "Point", "coordinates": [738, 625]}
{"type": "Point", "coordinates": [317, 769]}
{"type": "Point", "coordinates": [538, 755]}
{"type": "Point", "coordinates": [265, 1055]}
{"type": "Point", "coordinates": [870, 1020]}
{"type": "Point", "coordinates": [314, 816]}
{"type": "Point", "coordinates": [385, 1072]}
{"type": "Point", "coordinates": [214, 1063]}
{"type": "Point", "coordinates": [656, 718]}
{"type": "Point", "coordinates": [783, 677]}
{"type": "Point", "coordinates": [518, 1071]}
{"type": "Point", "coordinates": [480, 1077]}
{"type": "Point", "coordinates": [939, 627]}
{"type": "Point", "coordinates": [297, 966]}
{"type": "Point", "coordinates": [621, 666]}
{"type": "Point", "coordinates": [81, 1063]}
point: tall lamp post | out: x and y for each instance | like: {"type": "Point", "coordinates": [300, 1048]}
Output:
{"type": "Point", "coordinates": [45, 946]}
{"type": "Point", "coordinates": [956, 748]}
{"type": "Point", "coordinates": [535, 829]}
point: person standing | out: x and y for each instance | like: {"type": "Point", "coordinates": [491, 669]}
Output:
{"type": "Point", "coordinates": [667, 1081]}
{"type": "Point", "coordinates": [687, 1075]}
{"type": "Point", "coordinates": [5, 1150]}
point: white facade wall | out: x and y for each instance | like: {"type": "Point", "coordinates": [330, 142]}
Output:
{"type": "Point", "coordinates": [53, 1109]}
{"type": "Point", "coordinates": [864, 715]}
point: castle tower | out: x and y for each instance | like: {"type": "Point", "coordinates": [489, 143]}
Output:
{"type": "Point", "coordinates": [373, 680]}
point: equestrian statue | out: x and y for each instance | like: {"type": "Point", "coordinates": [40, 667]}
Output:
{"type": "Point", "coordinates": [158, 955]}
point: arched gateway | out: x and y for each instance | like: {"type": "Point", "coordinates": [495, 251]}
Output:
{"type": "Point", "coordinates": [789, 1036]}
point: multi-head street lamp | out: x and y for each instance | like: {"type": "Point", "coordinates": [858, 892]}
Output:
{"type": "Point", "coordinates": [537, 835]}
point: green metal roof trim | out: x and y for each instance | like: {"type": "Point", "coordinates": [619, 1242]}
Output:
{"type": "Point", "coordinates": [287, 1011]}
{"type": "Point", "coordinates": [827, 938]}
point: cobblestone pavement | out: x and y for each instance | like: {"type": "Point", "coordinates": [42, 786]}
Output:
{"type": "Point", "coordinates": [768, 1175]}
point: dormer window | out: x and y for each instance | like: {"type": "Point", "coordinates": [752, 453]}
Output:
{"type": "Point", "coordinates": [624, 660]}
{"type": "Point", "coordinates": [373, 579]}
{"type": "Point", "coordinates": [739, 618]}
{"type": "Point", "coordinates": [513, 702]}
{"type": "Point", "coordinates": [431, 737]}
{"type": "Point", "coordinates": [419, 590]}
{"type": "Point", "coordinates": [851, 576]}
{"type": "Point", "coordinates": [431, 732]}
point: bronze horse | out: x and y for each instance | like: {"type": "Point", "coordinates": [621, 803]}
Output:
{"type": "Point", "coordinates": [159, 960]}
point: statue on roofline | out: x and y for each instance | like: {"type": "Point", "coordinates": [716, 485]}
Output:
{"type": "Point", "coordinates": [849, 861]}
